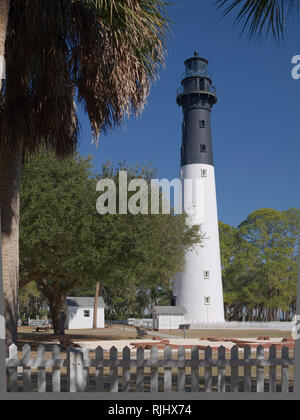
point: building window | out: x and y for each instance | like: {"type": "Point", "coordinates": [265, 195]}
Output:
{"type": "Point", "coordinates": [204, 173]}
{"type": "Point", "coordinates": [207, 300]}
{"type": "Point", "coordinates": [86, 314]}
{"type": "Point", "coordinates": [203, 148]}
{"type": "Point", "coordinates": [206, 274]}
{"type": "Point", "coordinates": [202, 123]}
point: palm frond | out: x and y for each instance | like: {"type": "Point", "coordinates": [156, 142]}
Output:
{"type": "Point", "coordinates": [102, 54]}
{"type": "Point", "coordinates": [260, 17]}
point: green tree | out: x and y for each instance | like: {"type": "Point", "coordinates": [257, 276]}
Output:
{"type": "Point", "coordinates": [238, 267]}
{"type": "Point", "coordinates": [55, 226]}
{"type": "Point", "coordinates": [259, 265]}
{"type": "Point", "coordinates": [101, 55]}
{"type": "Point", "coordinates": [151, 251]}
{"type": "Point", "coordinates": [65, 243]}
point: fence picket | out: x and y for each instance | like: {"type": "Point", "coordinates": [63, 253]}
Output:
{"type": "Point", "coordinates": [247, 370]}
{"type": "Point", "coordinates": [260, 374]}
{"type": "Point", "coordinates": [208, 370]}
{"type": "Point", "coordinates": [13, 371]}
{"type": "Point", "coordinates": [126, 370]}
{"type": "Point", "coordinates": [99, 370]}
{"type": "Point", "coordinates": [78, 365]}
{"type": "Point", "coordinates": [71, 370]}
{"type": "Point", "coordinates": [79, 369]}
{"type": "Point", "coordinates": [195, 370]}
{"type": "Point", "coordinates": [56, 370]}
{"type": "Point", "coordinates": [181, 370]}
{"type": "Point", "coordinates": [140, 370]}
{"type": "Point", "coordinates": [27, 385]}
{"type": "Point", "coordinates": [41, 369]}
{"type": "Point", "coordinates": [221, 369]}
{"type": "Point", "coordinates": [113, 370]}
{"type": "Point", "coordinates": [168, 371]}
{"type": "Point", "coordinates": [272, 369]}
{"type": "Point", "coordinates": [86, 371]}
{"type": "Point", "coordinates": [285, 370]}
{"type": "Point", "coordinates": [154, 369]}
{"type": "Point", "coordinates": [234, 370]}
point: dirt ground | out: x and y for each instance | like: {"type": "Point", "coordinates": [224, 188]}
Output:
{"type": "Point", "coordinates": [28, 335]}
{"type": "Point", "coordinates": [118, 332]}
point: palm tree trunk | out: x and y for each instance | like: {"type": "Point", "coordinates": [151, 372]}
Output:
{"type": "Point", "coordinates": [10, 179]}
{"type": "Point", "coordinates": [4, 8]}
{"type": "Point", "coordinates": [95, 326]}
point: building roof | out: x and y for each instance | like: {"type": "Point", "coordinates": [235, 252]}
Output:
{"type": "Point", "coordinates": [169, 310]}
{"type": "Point", "coordinates": [84, 302]}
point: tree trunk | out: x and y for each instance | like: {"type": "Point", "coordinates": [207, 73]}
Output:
{"type": "Point", "coordinates": [95, 325]}
{"type": "Point", "coordinates": [10, 179]}
{"type": "Point", "coordinates": [4, 9]}
{"type": "Point", "coordinates": [62, 317]}
{"type": "Point", "coordinates": [55, 305]}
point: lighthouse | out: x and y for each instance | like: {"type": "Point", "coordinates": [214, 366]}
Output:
{"type": "Point", "coordinates": [199, 287]}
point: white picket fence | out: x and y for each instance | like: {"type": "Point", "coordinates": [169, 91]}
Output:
{"type": "Point", "coordinates": [81, 370]}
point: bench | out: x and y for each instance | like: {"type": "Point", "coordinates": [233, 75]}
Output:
{"type": "Point", "coordinates": [42, 328]}
{"type": "Point", "coordinates": [140, 333]}
{"type": "Point", "coordinates": [40, 325]}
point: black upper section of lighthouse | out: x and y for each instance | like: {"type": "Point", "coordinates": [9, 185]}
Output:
{"type": "Point", "coordinates": [197, 96]}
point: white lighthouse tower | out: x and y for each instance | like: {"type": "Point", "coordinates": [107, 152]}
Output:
{"type": "Point", "coordinates": [199, 287]}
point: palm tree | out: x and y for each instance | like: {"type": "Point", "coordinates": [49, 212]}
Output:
{"type": "Point", "coordinates": [4, 9]}
{"type": "Point", "coordinates": [261, 16]}
{"type": "Point", "coordinates": [101, 55]}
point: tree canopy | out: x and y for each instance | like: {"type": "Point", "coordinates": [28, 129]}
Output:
{"type": "Point", "coordinates": [259, 260]}
{"type": "Point", "coordinates": [65, 243]}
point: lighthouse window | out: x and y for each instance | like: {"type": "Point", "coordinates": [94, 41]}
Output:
{"type": "Point", "coordinates": [202, 124]}
{"type": "Point", "coordinates": [206, 274]}
{"type": "Point", "coordinates": [86, 314]}
{"type": "Point", "coordinates": [203, 148]}
{"type": "Point", "coordinates": [204, 173]}
{"type": "Point", "coordinates": [207, 300]}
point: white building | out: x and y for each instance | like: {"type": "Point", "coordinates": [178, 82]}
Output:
{"type": "Point", "coordinates": [80, 313]}
{"type": "Point", "coordinates": [168, 317]}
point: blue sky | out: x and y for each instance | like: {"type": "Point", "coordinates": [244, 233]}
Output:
{"type": "Point", "coordinates": [256, 122]}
